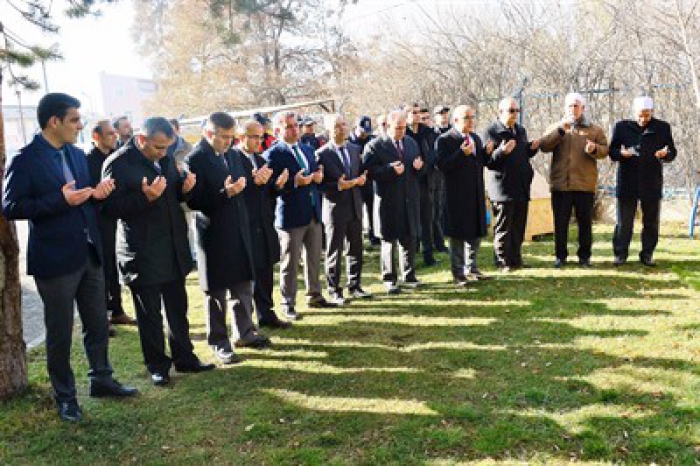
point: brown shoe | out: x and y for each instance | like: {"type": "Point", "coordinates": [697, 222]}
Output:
{"type": "Point", "coordinates": [122, 319]}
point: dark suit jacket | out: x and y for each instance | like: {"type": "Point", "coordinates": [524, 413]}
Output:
{"type": "Point", "coordinates": [642, 176]}
{"type": "Point", "coordinates": [224, 249]}
{"type": "Point", "coordinates": [339, 206]}
{"type": "Point", "coordinates": [464, 209]}
{"type": "Point", "coordinates": [58, 242]}
{"type": "Point", "coordinates": [294, 205]}
{"type": "Point", "coordinates": [260, 202]}
{"type": "Point", "coordinates": [152, 246]}
{"type": "Point", "coordinates": [107, 225]}
{"type": "Point", "coordinates": [509, 175]}
{"type": "Point", "coordinates": [396, 197]}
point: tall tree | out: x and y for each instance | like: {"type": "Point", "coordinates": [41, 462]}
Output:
{"type": "Point", "coordinates": [17, 54]}
{"type": "Point", "coordinates": [244, 52]}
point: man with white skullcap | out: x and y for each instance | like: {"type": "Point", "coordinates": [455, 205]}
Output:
{"type": "Point", "coordinates": [576, 145]}
{"type": "Point", "coordinates": [640, 146]}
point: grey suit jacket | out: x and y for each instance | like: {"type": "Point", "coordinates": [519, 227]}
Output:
{"type": "Point", "coordinates": [339, 206]}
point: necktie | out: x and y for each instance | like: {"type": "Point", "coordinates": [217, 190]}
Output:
{"type": "Point", "coordinates": [224, 161]}
{"type": "Point", "coordinates": [67, 173]}
{"type": "Point", "coordinates": [157, 167]}
{"type": "Point", "coordinates": [399, 149]}
{"type": "Point", "coordinates": [300, 159]}
{"type": "Point", "coordinates": [346, 160]}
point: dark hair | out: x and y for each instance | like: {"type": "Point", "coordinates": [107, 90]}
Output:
{"type": "Point", "coordinates": [222, 120]}
{"type": "Point", "coordinates": [175, 123]}
{"type": "Point", "coordinates": [97, 127]}
{"type": "Point", "coordinates": [154, 125]}
{"type": "Point", "coordinates": [54, 105]}
{"type": "Point", "coordinates": [116, 121]}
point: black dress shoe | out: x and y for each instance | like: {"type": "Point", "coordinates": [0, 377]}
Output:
{"type": "Point", "coordinates": [647, 261]}
{"type": "Point", "coordinates": [255, 342]}
{"type": "Point", "coordinates": [110, 388]}
{"type": "Point", "coordinates": [274, 323]}
{"type": "Point", "coordinates": [559, 263]}
{"type": "Point", "coordinates": [160, 379]}
{"type": "Point", "coordinates": [69, 411]}
{"type": "Point", "coordinates": [292, 314]}
{"type": "Point", "coordinates": [429, 260]}
{"type": "Point", "coordinates": [585, 262]}
{"type": "Point", "coordinates": [194, 367]}
{"type": "Point", "coordinates": [619, 260]}
{"type": "Point", "coordinates": [320, 302]}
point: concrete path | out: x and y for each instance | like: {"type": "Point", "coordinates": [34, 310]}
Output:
{"type": "Point", "coordinates": [32, 308]}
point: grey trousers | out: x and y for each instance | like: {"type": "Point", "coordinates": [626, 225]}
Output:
{"type": "Point", "coordinates": [463, 253]}
{"type": "Point", "coordinates": [86, 288]}
{"type": "Point", "coordinates": [343, 236]}
{"type": "Point", "coordinates": [407, 259]}
{"type": "Point", "coordinates": [241, 309]}
{"type": "Point", "coordinates": [310, 239]}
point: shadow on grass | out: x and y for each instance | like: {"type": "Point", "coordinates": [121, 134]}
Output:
{"type": "Point", "coordinates": [504, 371]}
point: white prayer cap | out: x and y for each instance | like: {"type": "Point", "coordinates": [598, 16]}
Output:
{"type": "Point", "coordinates": [643, 103]}
{"type": "Point", "coordinates": [574, 97]}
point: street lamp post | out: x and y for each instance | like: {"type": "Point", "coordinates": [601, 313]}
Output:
{"type": "Point", "coordinates": [21, 116]}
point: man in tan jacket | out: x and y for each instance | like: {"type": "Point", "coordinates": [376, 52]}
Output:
{"type": "Point", "coordinates": [576, 144]}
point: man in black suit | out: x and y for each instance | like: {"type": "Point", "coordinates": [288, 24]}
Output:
{"type": "Point", "coordinates": [153, 254]}
{"type": "Point", "coordinates": [124, 130]}
{"type": "Point", "coordinates": [48, 184]}
{"type": "Point", "coordinates": [441, 117]}
{"type": "Point", "coordinates": [641, 147]}
{"type": "Point", "coordinates": [393, 163]}
{"type": "Point", "coordinates": [361, 136]}
{"type": "Point", "coordinates": [425, 140]}
{"type": "Point", "coordinates": [509, 177]}
{"type": "Point", "coordinates": [104, 138]}
{"type": "Point", "coordinates": [461, 157]}
{"type": "Point", "coordinates": [260, 197]}
{"type": "Point", "coordinates": [342, 209]}
{"type": "Point", "coordinates": [298, 214]}
{"type": "Point", "coordinates": [224, 246]}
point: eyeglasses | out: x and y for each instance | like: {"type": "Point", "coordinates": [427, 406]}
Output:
{"type": "Point", "coordinates": [253, 136]}
{"type": "Point", "coordinates": [513, 110]}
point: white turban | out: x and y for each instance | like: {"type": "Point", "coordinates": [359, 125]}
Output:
{"type": "Point", "coordinates": [574, 97]}
{"type": "Point", "coordinates": [643, 103]}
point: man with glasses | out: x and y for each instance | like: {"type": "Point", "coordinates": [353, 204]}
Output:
{"type": "Point", "coordinates": [394, 163]}
{"type": "Point", "coordinates": [509, 177]}
{"type": "Point", "coordinates": [298, 218]}
{"type": "Point", "coordinates": [640, 146]}
{"type": "Point", "coordinates": [461, 157]}
{"type": "Point", "coordinates": [576, 144]}
{"type": "Point", "coordinates": [260, 197]}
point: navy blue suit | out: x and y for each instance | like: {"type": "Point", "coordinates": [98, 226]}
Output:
{"type": "Point", "coordinates": [294, 206]}
{"type": "Point", "coordinates": [32, 191]}
{"type": "Point", "coordinates": [63, 254]}
{"type": "Point", "coordinates": [298, 222]}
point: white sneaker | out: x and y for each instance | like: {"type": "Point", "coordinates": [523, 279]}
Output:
{"type": "Point", "coordinates": [391, 288]}
{"type": "Point", "coordinates": [359, 293]}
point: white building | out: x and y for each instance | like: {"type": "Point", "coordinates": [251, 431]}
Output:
{"type": "Point", "coordinates": [20, 126]}
{"type": "Point", "coordinates": [125, 95]}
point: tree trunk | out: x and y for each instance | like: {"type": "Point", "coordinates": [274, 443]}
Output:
{"type": "Point", "coordinates": [13, 356]}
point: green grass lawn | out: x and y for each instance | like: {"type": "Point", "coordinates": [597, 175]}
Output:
{"type": "Point", "coordinates": [542, 365]}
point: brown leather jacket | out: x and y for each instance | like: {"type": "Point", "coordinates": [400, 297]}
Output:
{"type": "Point", "coordinates": [573, 169]}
